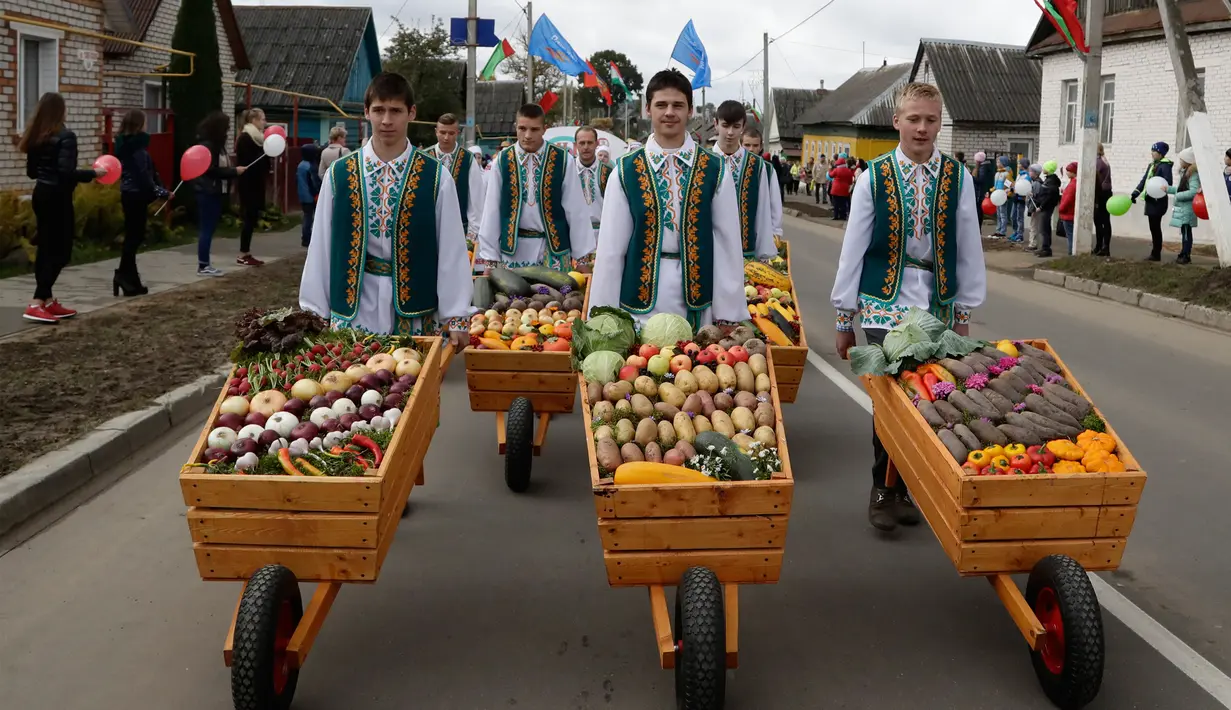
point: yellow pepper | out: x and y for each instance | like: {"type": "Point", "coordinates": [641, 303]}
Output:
{"type": "Point", "coordinates": [994, 451]}
{"type": "Point", "coordinates": [547, 330]}
{"type": "Point", "coordinates": [1014, 450]}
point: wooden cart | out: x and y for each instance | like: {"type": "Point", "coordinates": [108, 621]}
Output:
{"type": "Point", "coordinates": [1054, 527]}
{"type": "Point", "coordinates": [791, 360]}
{"type": "Point", "coordinates": [706, 538]}
{"type": "Point", "coordinates": [272, 532]}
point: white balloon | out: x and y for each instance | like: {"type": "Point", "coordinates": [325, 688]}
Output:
{"type": "Point", "coordinates": [999, 197]}
{"type": "Point", "coordinates": [274, 145]}
{"type": "Point", "coordinates": [1022, 186]}
{"type": "Point", "coordinates": [1156, 186]}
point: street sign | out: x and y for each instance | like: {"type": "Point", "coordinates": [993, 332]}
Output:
{"type": "Point", "coordinates": [485, 32]}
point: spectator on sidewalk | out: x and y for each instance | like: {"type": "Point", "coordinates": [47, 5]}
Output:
{"type": "Point", "coordinates": [1182, 215]}
{"type": "Point", "coordinates": [1155, 207]}
{"type": "Point", "coordinates": [1046, 199]}
{"type": "Point", "coordinates": [1003, 180]}
{"type": "Point", "coordinates": [1017, 215]}
{"type": "Point", "coordinates": [139, 186]}
{"type": "Point", "coordinates": [250, 152]}
{"type": "Point", "coordinates": [781, 174]}
{"type": "Point", "coordinates": [51, 161]}
{"type": "Point", "coordinates": [308, 179]}
{"type": "Point", "coordinates": [841, 178]}
{"type": "Point", "coordinates": [1226, 170]}
{"type": "Point", "coordinates": [1032, 229]}
{"type": "Point", "coordinates": [984, 177]}
{"type": "Point", "coordinates": [795, 178]}
{"type": "Point", "coordinates": [1068, 202]}
{"type": "Point", "coordinates": [210, 187]}
{"type": "Point", "coordinates": [820, 179]}
{"type": "Point", "coordinates": [336, 149]}
{"type": "Point", "coordinates": [1102, 218]}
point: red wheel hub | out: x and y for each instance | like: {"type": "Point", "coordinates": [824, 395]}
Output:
{"type": "Point", "coordinates": [1051, 647]}
{"type": "Point", "coordinates": [286, 629]}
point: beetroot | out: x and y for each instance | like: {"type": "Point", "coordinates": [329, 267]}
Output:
{"type": "Point", "coordinates": [231, 421]}
{"type": "Point", "coordinates": [255, 418]}
{"type": "Point", "coordinates": [216, 454]}
{"type": "Point", "coordinates": [346, 420]}
{"type": "Point", "coordinates": [295, 406]}
{"type": "Point", "coordinates": [393, 399]}
{"type": "Point", "coordinates": [355, 392]}
{"type": "Point", "coordinates": [369, 412]}
{"type": "Point", "coordinates": [305, 430]}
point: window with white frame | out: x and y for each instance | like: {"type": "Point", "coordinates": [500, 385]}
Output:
{"type": "Point", "coordinates": [1107, 109]}
{"type": "Point", "coordinates": [1201, 81]}
{"type": "Point", "coordinates": [155, 122]}
{"type": "Point", "coordinates": [1070, 110]}
{"type": "Point", "coordinates": [38, 67]}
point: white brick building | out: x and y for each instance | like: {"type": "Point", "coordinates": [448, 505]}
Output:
{"type": "Point", "coordinates": [1140, 104]}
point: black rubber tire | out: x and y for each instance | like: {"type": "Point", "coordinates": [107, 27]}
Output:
{"type": "Point", "coordinates": [272, 592]}
{"type": "Point", "coordinates": [519, 445]}
{"type": "Point", "coordinates": [1079, 680]}
{"type": "Point", "coordinates": [701, 642]}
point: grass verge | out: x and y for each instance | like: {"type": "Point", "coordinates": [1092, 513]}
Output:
{"type": "Point", "coordinates": [1203, 285]}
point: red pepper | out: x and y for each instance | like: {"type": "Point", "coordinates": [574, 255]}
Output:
{"type": "Point", "coordinates": [930, 380]}
{"type": "Point", "coordinates": [915, 382]}
{"type": "Point", "coordinates": [309, 467]}
{"type": "Point", "coordinates": [284, 458]}
{"type": "Point", "coordinates": [370, 446]}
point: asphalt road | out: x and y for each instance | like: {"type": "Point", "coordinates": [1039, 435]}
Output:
{"type": "Point", "coordinates": [495, 600]}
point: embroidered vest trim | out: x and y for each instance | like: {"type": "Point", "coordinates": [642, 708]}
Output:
{"type": "Point", "coordinates": [459, 168]}
{"type": "Point", "coordinates": [749, 195]}
{"type": "Point", "coordinates": [550, 196]}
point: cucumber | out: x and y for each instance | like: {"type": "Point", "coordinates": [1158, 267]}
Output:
{"type": "Point", "coordinates": [506, 281]}
{"type": "Point", "coordinates": [543, 275]}
{"type": "Point", "coordinates": [741, 465]}
{"type": "Point", "coordinates": [484, 296]}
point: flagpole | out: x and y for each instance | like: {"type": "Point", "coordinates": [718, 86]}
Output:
{"type": "Point", "coordinates": [472, 41]}
{"type": "Point", "coordinates": [529, 58]}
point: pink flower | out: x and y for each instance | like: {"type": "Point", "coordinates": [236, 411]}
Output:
{"type": "Point", "coordinates": [994, 370]}
{"type": "Point", "coordinates": [1036, 389]}
{"type": "Point", "coordinates": [1008, 363]}
{"type": "Point", "coordinates": [976, 381]}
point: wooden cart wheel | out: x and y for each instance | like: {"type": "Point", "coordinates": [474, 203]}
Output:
{"type": "Point", "coordinates": [700, 642]}
{"type": "Point", "coordinates": [1069, 659]}
{"type": "Point", "coordinates": [261, 675]}
{"type": "Point", "coordinates": [519, 445]}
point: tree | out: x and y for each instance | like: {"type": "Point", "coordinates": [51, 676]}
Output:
{"type": "Point", "coordinates": [546, 76]}
{"type": "Point", "coordinates": [593, 98]}
{"type": "Point", "coordinates": [435, 72]}
{"type": "Point", "coordinates": [194, 97]}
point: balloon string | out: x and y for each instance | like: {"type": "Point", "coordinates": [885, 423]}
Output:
{"type": "Point", "coordinates": [169, 198]}
{"type": "Point", "coordinates": [254, 162]}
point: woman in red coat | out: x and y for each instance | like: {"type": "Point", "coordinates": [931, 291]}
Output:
{"type": "Point", "coordinates": [841, 178]}
{"type": "Point", "coordinates": [1068, 201]}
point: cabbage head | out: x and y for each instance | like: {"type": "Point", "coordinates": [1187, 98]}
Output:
{"type": "Point", "coordinates": [607, 329]}
{"type": "Point", "coordinates": [602, 366]}
{"type": "Point", "coordinates": [665, 329]}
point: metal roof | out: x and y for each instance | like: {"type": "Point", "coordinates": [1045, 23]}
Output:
{"type": "Point", "coordinates": [305, 49]}
{"type": "Point", "coordinates": [143, 11]}
{"type": "Point", "coordinates": [1126, 20]}
{"type": "Point", "coordinates": [790, 105]}
{"type": "Point", "coordinates": [865, 99]}
{"type": "Point", "coordinates": [983, 83]}
{"type": "Point", "coordinates": [495, 106]}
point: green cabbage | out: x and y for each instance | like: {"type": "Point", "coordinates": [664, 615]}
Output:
{"type": "Point", "coordinates": [666, 329]}
{"type": "Point", "coordinates": [607, 329]}
{"type": "Point", "coordinates": [602, 366]}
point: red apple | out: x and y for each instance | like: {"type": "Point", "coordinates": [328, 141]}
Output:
{"type": "Point", "coordinates": [739, 352]}
{"type": "Point", "coordinates": [716, 349]}
{"type": "Point", "coordinates": [726, 358]}
{"type": "Point", "coordinates": [648, 351]}
{"type": "Point", "coordinates": [629, 372]}
{"type": "Point", "coordinates": [692, 349]}
{"type": "Point", "coordinates": [681, 362]}
{"type": "Point", "coordinates": [636, 361]}
{"type": "Point", "coordinates": [706, 357]}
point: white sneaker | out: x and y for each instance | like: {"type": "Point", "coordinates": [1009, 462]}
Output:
{"type": "Point", "coordinates": [209, 271]}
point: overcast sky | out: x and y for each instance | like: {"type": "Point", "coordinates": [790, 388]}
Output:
{"type": "Point", "coordinates": [827, 47]}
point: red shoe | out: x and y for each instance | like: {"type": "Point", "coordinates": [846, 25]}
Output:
{"type": "Point", "coordinates": [249, 260]}
{"type": "Point", "coordinates": [54, 308]}
{"type": "Point", "coordinates": [39, 314]}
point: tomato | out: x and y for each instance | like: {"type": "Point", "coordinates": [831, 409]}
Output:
{"type": "Point", "coordinates": [557, 345]}
{"type": "Point", "coordinates": [564, 330]}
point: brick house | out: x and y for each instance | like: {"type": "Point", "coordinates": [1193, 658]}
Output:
{"type": "Point", "coordinates": [61, 45]}
{"type": "Point", "coordinates": [1138, 80]}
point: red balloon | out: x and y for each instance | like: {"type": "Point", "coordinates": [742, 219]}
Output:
{"type": "Point", "coordinates": [270, 130]}
{"type": "Point", "coordinates": [195, 162]}
{"type": "Point", "coordinates": [989, 207]}
{"type": "Point", "coordinates": [1199, 207]}
{"type": "Point", "coordinates": [112, 165]}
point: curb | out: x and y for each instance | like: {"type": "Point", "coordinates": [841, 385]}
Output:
{"type": "Point", "coordinates": [1163, 305]}
{"type": "Point", "coordinates": [39, 484]}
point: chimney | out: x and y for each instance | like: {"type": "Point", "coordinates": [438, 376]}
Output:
{"type": "Point", "coordinates": [822, 84]}
{"type": "Point", "coordinates": [884, 63]}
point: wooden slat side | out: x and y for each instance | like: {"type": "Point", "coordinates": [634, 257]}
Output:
{"type": "Point", "coordinates": [792, 356]}
{"type": "Point", "coordinates": [910, 426]}
{"type": "Point", "coordinates": [495, 381]}
{"type": "Point", "coordinates": [198, 449]}
{"type": "Point", "coordinates": [1033, 491]}
{"type": "Point", "coordinates": [788, 393]}
{"type": "Point", "coordinates": [664, 635]}
{"type": "Point", "coordinates": [543, 403]}
{"type": "Point", "coordinates": [277, 528]}
{"type": "Point", "coordinates": [684, 501]}
{"type": "Point", "coordinates": [307, 494]}
{"type": "Point", "coordinates": [630, 569]}
{"type": "Point", "coordinates": [787, 375]}
{"type": "Point", "coordinates": [982, 558]}
{"type": "Point", "coordinates": [310, 564]}
{"type": "Point", "coordinates": [300, 645]}
{"type": "Point", "coordinates": [719, 533]}
{"type": "Point", "coordinates": [989, 524]}
{"type": "Point", "coordinates": [1116, 520]}
{"type": "Point", "coordinates": [517, 361]}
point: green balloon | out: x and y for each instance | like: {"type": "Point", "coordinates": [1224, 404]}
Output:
{"type": "Point", "coordinates": [1050, 166]}
{"type": "Point", "coordinates": [1119, 204]}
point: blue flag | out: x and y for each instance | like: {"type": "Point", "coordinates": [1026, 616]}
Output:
{"type": "Point", "coordinates": [548, 44]}
{"type": "Point", "coordinates": [691, 53]}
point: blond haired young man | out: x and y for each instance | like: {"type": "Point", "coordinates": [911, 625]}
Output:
{"type": "Point", "coordinates": [912, 240]}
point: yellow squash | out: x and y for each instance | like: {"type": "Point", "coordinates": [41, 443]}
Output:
{"type": "Point", "coordinates": [758, 273]}
{"type": "Point", "coordinates": [645, 472]}
{"type": "Point", "coordinates": [772, 333]}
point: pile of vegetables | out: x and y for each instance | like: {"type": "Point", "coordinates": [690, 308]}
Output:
{"type": "Point", "coordinates": [667, 408]}
{"type": "Point", "coordinates": [326, 408]}
{"type": "Point", "coordinates": [531, 308]}
{"type": "Point", "coordinates": [771, 306]}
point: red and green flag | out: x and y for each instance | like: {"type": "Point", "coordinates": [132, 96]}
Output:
{"type": "Point", "coordinates": [617, 79]}
{"type": "Point", "coordinates": [503, 51]}
{"type": "Point", "coordinates": [1062, 14]}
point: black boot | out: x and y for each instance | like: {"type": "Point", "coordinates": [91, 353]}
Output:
{"type": "Point", "coordinates": [122, 281]}
{"type": "Point", "coordinates": [141, 288]}
{"type": "Point", "coordinates": [904, 510]}
{"type": "Point", "coordinates": [881, 509]}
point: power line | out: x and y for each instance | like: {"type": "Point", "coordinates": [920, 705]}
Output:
{"type": "Point", "coordinates": [736, 71]}
{"type": "Point", "coordinates": [394, 19]}
{"type": "Point", "coordinates": [775, 39]}
{"type": "Point", "coordinates": [843, 49]}
{"type": "Point", "coordinates": [788, 66]}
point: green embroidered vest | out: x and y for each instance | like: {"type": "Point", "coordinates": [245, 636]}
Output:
{"type": "Point", "coordinates": [748, 192]}
{"type": "Point", "coordinates": [646, 199]}
{"type": "Point", "coordinates": [414, 247]}
{"type": "Point", "coordinates": [550, 199]}
{"type": "Point", "coordinates": [893, 200]}
{"type": "Point", "coordinates": [604, 172]}
{"type": "Point", "coordinates": [463, 161]}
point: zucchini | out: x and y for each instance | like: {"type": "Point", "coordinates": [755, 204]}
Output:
{"type": "Point", "coordinates": [550, 277]}
{"type": "Point", "coordinates": [741, 465]}
{"type": "Point", "coordinates": [506, 281]}
{"type": "Point", "coordinates": [484, 296]}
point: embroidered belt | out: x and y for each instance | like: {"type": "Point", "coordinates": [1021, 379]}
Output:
{"type": "Point", "coordinates": [594, 223]}
{"type": "Point", "coordinates": [377, 266]}
{"type": "Point", "coordinates": [531, 234]}
{"type": "Point", "coordinates": [670, 255]}
{"type": "Point", "coordinates": [919, 264]}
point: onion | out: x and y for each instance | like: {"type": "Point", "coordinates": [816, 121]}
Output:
{"type": "Point", "coordinates": [394, 399]}
{"type": "Point", "coordinates": [333, 396]}
{"type": "Point", "coordinates": [355, 393]}
{"type": "Point", "coordinates": [381, 361]}
{"type": "Point", "coordinates": [321, 414]}
{"type": "Point", "coordinates": [251, 431]}
{"type": "Point", "coordinates": [354, 372]}
{"type": "Point", "coordinates": [255, 418]}
{"type": "Point", "coordinates": [221, 438]}
{"type": "Point", "coordinates": [295, 406]}
{"type": "Point", "coordinates": [216, 453]}
{"type": "Point", "coordinates": [369, 412]}
{"type": "Point", "coordinates": [398, 387]}
{"type": "Point", "coordinates": [371, 382]}
{"type": "Point", "coordinates": [319, 401]}
{"type": "Point", "coordinates": [336, 382]}
{"type": "Point", "coordinates": [371, 397]}
{"type": "Point", "coordinates": [408, 367]}
{"type": "Point", "coordinates": [267, 437]}
{"type": "Point", "coordinates": [231, 421]}
{"type": "Point", "coordinates": [268, 402]}
{"type": "Point", "coordinates": [305, 430]}
{"type": "Point", "coordinates": [385, 376]}
{"type": "Point", "coordinates": [283, 423]}
{"type": "Point", "coordinates": [406, 354]}
{"type": "Point", "coordinates": [234, 405]}
{"type": "Point", "coordinates": [244, 446]}
{"type": "Point", "coordinates": [343, 406]}
{"type": "Point", "coordinates": [346, 420]}
{"type": "Point", "coordinates": [306, 389]}
{"type": "Point", "coordinates": [331, 424]}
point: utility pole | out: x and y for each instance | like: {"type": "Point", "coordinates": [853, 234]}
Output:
{"type": "Point", "coordinates": [1087, 170]}
{"type": "Point", "coordinates": [1194, 124]}
{"type": "Point", "coordinates": [529, 59]}
{"type": "Point", "coordinates": [472, 42]}
{"type": "Point", "coordinates": [765, 106]}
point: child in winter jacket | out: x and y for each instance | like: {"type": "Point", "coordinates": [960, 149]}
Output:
{"type": "Point", "coordinates": [1068, 201]}
{"type": "Point", "coordinates": [1047, 197]}
{"type": "Point", "coordinates": [1182, 214]}
{"type": "Point", "coordinates": [309, 181]}
{"type": "Point", "coordinates": [1004, 181]}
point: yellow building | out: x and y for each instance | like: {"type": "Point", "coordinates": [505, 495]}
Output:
{"type": "Point", "coordinates": [857, 117]}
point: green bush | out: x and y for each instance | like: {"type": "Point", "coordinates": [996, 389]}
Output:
{"type": "Point", "coordinates": [16, 222]}
{"type": "Point", "coordinates": [99, 220]}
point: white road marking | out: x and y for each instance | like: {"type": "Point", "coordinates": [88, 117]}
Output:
{"type": "Point", "coordinates": [1169, 646]}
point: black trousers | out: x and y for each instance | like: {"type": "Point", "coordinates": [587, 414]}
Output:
{"type": "Point", "coordinates": [1102, 224]}
{"type": "Point", "coordinates": [250, 206]}
{"type": "Point", "coordinates": [1156, 234]}
{"type": "Point", "coordinates": [53, 212]}
{"type": "Point", "coordinates": [880, 457]}
{"type": "Point", "coordinates": [1048, 214]}
{"type": "Point", "coordinates": [136, 215]}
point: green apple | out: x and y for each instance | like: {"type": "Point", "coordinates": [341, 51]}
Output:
{"type": "Point", "coordinates": [775, 293]}
{"type": "Point", "coordinates": [660, 364]}
{"type": "Point", "coordinates": [750, 292]}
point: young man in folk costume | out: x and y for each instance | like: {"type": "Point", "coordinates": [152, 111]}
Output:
{"type": "Point", "coordinates": [912, 240]}
{"type": "Point", "coordinates": [670, 237]}
{"type": "Point", "coordinates": [535, 213]}
{"type": "Point", "coordinates": [752, 144]}
{"type": "Point", "coordinates": [592, 171]}
{"type": "Point", "coordinates": [466, 172]}
{"type": "Point", "coordinates": [749, 172]}
{"type": "Point", "coordinates": [388, 253]}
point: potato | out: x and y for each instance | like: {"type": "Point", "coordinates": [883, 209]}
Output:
{"type": "Point", "coordinates": [671, 394]}
{"type": "Point", "coordinates": [686, 448]}
{"type": "Point", "coordinates": [706, 379]}
{"type": "Point", "coordinates": [624, 432]}
{"type": "Point", "coordinates": [684, 430]}
{"type": "Point", "coordinates": [686, 381]}
{"type": "Point", "coordinates": [666, 434]}
{"type": "Point", "coordinates": [707, 402]}
{"type": "Point", "coordinates": [625, 387]}
{"type": "Point", "coordinates": [653, 452]}
{"type": "Point", "coordinates": [603, 411]}
{"type": "Point", "coordinates": [608, 455]}
{"type": "Point", "coordinates": [642, 406]}
{"type": "Point", "coordinates": [746, 399]}
{"type": "Point", "coordinates": [631, 452]}
{"type": "Point", "coordinates": [646, 386]}
{"type": "Point", "coordinates": [722, 424]}
{"type": "Point", "coordinates": [594, 392]}
{"type": "Point", "coordinates": [764, 414]}
{"type": "Point", "coordinates": [726, 377]}
{"type": "Point", "coordinates": [743, 420]}
{"type": "Point", "coordinates": [667, 410]}
{"type": "Point", "coordinates": [763, 385]}
{"type": "Point", "coordinates": [758, 364]}
{"type": "Point", "coordinates": [743, 441]}
{"type": "Point", "coordinates": [723, 401]}
{"type": "Point", "coordinates": [745, 378]}
{"type": "Point", "coordinates": [647, 431]}
{"type": "Point", "coordinates": [611, 393]}
{"type": "Point", "coordinates": [701, 423]}
{"type": "Point", "coordinates": [674, 457]}
{"type": "Point", "coordinates": [623, 408]}
{"type": "Point", "coordinates": [692, 404]}
{"type": "Point", "coordinates": [604, 432]}
{"type": "Point", "coordinates": [766, 436]}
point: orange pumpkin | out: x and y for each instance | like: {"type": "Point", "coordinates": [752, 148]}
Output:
{"type": "Point", "coordinates": [557, 345]}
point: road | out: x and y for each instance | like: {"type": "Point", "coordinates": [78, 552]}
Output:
{"type": "Point", "coordinates": [495, 600]}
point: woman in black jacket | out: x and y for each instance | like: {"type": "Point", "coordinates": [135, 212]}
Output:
{"type": "Point", "coordinates": [139, 186]}
{"type": "Point", "coordinates": [51, 161]}
{"type": "Point", "coordinates": [211, 186]}
{"type": "Point", "coordinates": [250, 151]}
